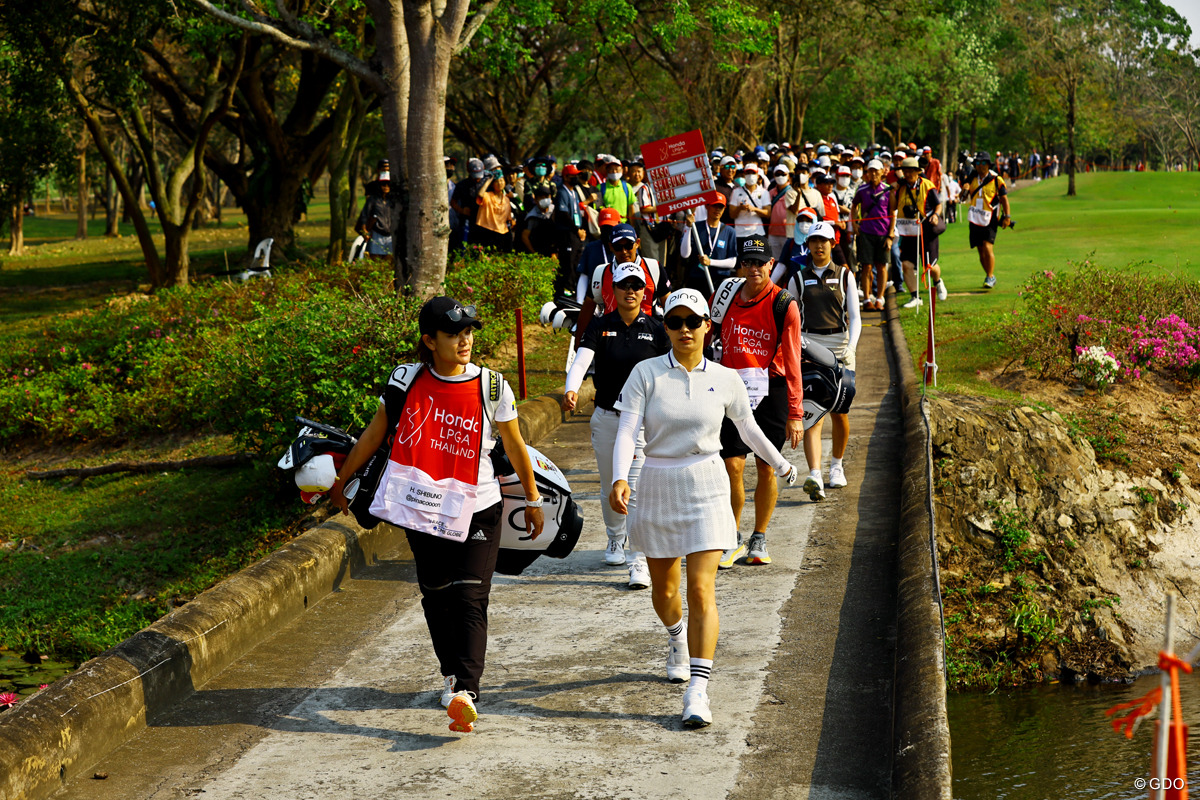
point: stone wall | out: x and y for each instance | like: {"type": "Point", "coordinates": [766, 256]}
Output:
{"type": "Point", "coordinates": [1096, 535]}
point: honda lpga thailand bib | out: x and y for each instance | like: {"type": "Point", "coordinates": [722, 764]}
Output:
{"type": "Point", "coordinates": [429, 484]}
{"type": "Point", "coordinates": [977, 215]}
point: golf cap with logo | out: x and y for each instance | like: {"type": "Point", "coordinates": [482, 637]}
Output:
{"type": "Point", "coordinates": [750, 167]}
{"type": "Point", "coordinates": [859, 159]}
{"type": "Point", "coordinates": [624, 232]}
{"type": "Point", "coordinates": [439, 314]}
{"type": "Point", "coordinates": [627, 270]}
{"type": "Point", "coordinates": [843, 170]}
{"type": "Point", "coordinates": [686, 298]}
{"type": "Point", "coordinates": [874, 163]}
{"type": "Point", "coordinates": [822, 230]}
{"type": "Point", "coordinates": [754, 248]}
{"type": "Point", "coordinates": [781, 169]}
{"type": "Point", "coordinates": [609, 216]}
{"type": "Point", "coordinates": [808, 213]}
{"type": "Point", "coordinates": [728, 161]}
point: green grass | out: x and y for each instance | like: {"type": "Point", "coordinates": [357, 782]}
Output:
{"type": "Point", "coordinates": [1120, 217]}
{"type": "Point", "coordinates": [86, 565]}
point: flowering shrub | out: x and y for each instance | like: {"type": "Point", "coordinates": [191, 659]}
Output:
{"type": "Point", "coordinates": [241, 359]}
{"type": "Point", "coordinates": [1096, 367]}
{"type": "Point", "coordinates": [1066, 312]}
{"type": "Point", "coordinates": [1171, 344]}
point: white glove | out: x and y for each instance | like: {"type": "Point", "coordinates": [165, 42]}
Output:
{"type": "Point", "coordinates": [792, 474]}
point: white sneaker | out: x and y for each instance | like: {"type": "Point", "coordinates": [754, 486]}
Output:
{"type": "Point", "coordinates": [448, 692]}
{"type": "Point", "coordinates": [913, 302]}
{"type": "Point", "coordinates": [614, 555]}
{"type": "Point", "coordinates": [696, 712]}
{"type": "Point", "coordinates": [837, 477]}
{"type": "Point", "coordinates": [814, 488]}
{"type": "Point", "coordinates": [639, 573]}
{"type": "Point", "coordinates": [989, 282]}
{"type": "Point", "coordinates": [941, 289]}
{"type": "Point", "coordinates": [679, 665]}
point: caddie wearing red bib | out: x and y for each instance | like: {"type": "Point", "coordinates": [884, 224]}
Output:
{"type": "Point", "coordinates": [759, 336]}
{"type": "Point", "coordinates": [441, 417]}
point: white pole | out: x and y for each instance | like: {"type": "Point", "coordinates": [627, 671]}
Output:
{"type": "Point", "coordinates": [1164, 705]}
{"type": "Point", "coordinates": [699, 255]}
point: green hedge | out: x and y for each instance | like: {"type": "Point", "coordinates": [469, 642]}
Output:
{"type": "Point", "coordinates": [242, 359]}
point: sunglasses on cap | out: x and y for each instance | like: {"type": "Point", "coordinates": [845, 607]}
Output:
{"type": "Point", "coordinates": [458, 313]}
{"type": "Point", "coordinates": [630, 285]}
{"type": "Point", "coordinates": [677, 322]}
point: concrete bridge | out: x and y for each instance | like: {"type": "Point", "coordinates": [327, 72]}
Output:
{"type": "Point", "coordinates": [310, 674]}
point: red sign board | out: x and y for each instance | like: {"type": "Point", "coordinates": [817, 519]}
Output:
{"type": "Point", "coordinates": [677, 167]}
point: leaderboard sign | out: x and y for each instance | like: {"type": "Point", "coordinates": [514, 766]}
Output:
{"type": "Point", "coordinates": [677, 167]}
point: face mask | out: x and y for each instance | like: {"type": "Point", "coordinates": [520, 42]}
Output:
{"type": "Point", "coordinates": [844, 181]}
{"type": "Point", "coordinates": [614, 177]}
{"type": "Point", "coordinates": [740, 181]}
{"type": "Point", "coordinates": [804, 177]}
{"type": "Point", "coordinates": [781, 180]}
{"type": "Point", "coordinates": [856, 173]}
{"type": "Point", "coordinates": [539, 171]}
{"type": "Point", "coordinates": [801, 232]}
{"type": "Point", "coordinates": [546, 202]}
{"type": "Point", "coordinates": [751, 179]}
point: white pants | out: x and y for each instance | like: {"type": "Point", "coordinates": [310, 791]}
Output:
{"type": "Point", "coordinates": [604, 436]}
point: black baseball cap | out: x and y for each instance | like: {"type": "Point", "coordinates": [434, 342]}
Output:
{"type": "Point", "coordinates": [446, 314]}
{"type": "Point", "coordinates": [754, 248]}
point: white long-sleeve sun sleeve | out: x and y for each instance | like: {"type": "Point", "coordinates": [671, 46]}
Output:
{"type": "Point", "coordinates": [579, 368]}
{"type": "Point", "coordinates": [626, 445]}
{"type": "Point", "coordinates": [853, 318]}
{"type": "Point", "coordinates": [753, 436]}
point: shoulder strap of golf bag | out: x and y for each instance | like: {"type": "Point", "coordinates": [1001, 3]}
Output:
{"type": "Point", "coordinates": [723, 298]}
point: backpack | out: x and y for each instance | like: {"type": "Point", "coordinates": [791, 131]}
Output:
{"type": "Point", "coordinates": [362, 487]}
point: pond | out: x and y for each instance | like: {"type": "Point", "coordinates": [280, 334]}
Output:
{"type": "Point", "coordinates": [1055, 742]}
{"type": "Point", "coordinates": [23, 678]}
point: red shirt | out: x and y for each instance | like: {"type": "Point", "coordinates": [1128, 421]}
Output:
{"type": "Point", "coordinates": [749, 339]}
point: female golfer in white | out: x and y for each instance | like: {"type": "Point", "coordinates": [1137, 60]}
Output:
{"type": "Point", "coordinates": [683, 493]}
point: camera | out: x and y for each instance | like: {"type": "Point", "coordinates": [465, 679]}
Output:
{"type": "Point", "coordinates": [1008, 222]}
{"type": "Point", "coordinates": [910, 211]}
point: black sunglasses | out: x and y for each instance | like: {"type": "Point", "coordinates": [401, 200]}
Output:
{"type": "Point", "coordinates": [457, 313]}
{"type": "Point", "coordinates": [677, 322]}
{"type": "Point", "coordinates": [623, 244]}
{"type": "Point", "coordinates": [630, 285]}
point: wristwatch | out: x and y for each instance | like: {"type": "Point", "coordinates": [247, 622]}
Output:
{"type": "Point", "coordinates": [534, 503]}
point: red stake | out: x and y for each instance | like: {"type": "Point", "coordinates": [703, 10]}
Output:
{"type": "Point", "coordinates": [521, 352]}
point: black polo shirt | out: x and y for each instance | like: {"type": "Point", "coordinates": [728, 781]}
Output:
{"type": "Point", "coordinates": [619, 348]}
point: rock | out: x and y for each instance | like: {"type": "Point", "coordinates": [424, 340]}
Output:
{"type": "Point", "coordinates": [1065, 521]}
{"type": "Point", "coordinates": [1049, 665]}
{"type": "Point", "coordinates": [1123, 513]}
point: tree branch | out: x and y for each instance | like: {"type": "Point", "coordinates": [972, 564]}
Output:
{"type": "Point", "coordinates": [264, 26]}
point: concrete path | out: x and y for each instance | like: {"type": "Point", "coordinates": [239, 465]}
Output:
{"type": "Point", "coordinates": [575, 705]}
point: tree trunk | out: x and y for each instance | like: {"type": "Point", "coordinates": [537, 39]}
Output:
{"type": "Point", "coordinates": [427, 211]}
{"type": "Point", "coordinates": [393, 47]}
{"type": "Point", "coordinates": [112, 203]}
{"type": "Point", "coordinates": [1071, 140]}
{"type": "Point", "coordinates": [272, 214]}
{"type": "Point", "coordinates": [100, 138]}
{"type": "Point", "coordinates": [16, 229]}
{"type": "Point", "coordinates": [81, 213]}
{"type": "Point", "coordinates": [974, 132]}
{"type": "Point", "coordinates": [954, 146]}
{"type": "Point", "coordinates": [177, 260]}
{"type": "Point", "coordinates": [944, 129]}
{"type": "Point", "coordinates": [348, 119]}
{"type": "Point", "coordinates": [355, 172]}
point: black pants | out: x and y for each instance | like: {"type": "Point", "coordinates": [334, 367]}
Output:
{"type": "Point", "coordinates": [455, 580]}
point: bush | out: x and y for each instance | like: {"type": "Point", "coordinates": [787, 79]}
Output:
{"type": "Point", "coordinates": [241, 359]}
{"type": "Point", "coordinates": [1068, 313]}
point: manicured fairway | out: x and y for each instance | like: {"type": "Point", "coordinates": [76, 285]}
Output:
{"type": "Point", "coordinates": [1116, 219]}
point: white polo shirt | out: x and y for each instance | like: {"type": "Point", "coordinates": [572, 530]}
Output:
{"type": "Point", "coordinates": [682, 411]}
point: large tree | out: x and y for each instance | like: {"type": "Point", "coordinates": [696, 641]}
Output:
{"type": "Point", "coordinates": [414, 42]}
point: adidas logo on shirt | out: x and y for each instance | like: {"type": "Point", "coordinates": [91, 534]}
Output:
{"type": "Point", "coordinates": [478, 536]}
{"type": "Point", "coordinates": [711, 389]}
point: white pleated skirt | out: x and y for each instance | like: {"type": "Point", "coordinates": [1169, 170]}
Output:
{"type": "Point", "coordinates": [682, 507]}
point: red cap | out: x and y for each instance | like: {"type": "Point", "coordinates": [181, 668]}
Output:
{"type": "Point", "coordinates": [570, 169]}
{"type": "Point", "coordinates": [609, 216]}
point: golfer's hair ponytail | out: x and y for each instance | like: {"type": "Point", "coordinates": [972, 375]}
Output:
{"type": "Point", "coordinates": [424, 354]}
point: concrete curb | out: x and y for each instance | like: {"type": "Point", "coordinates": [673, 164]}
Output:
{"type": "Point", "coordinates": [61, 732]}
{"type": "Point", "coordinates": [920, 727]}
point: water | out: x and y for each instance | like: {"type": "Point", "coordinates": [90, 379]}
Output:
{"type": "Point", "coordinates": [1055, 742]}
{"type": "Point", "coordinates": [23, 678]}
